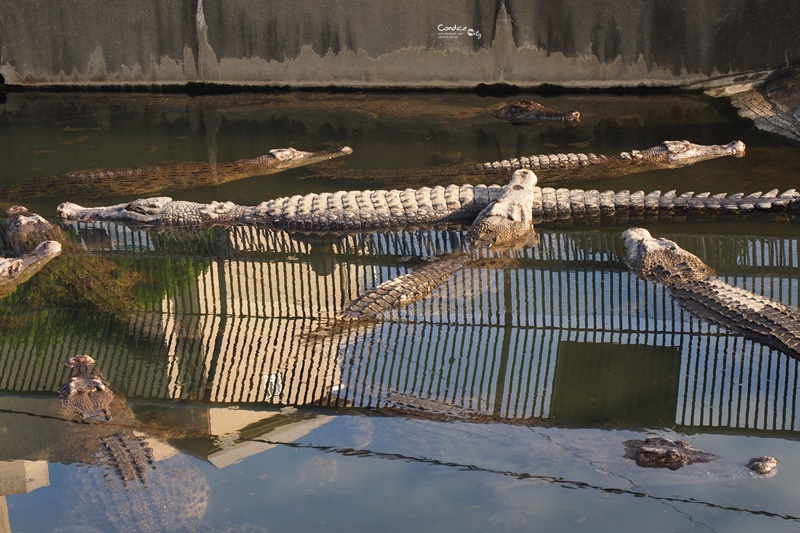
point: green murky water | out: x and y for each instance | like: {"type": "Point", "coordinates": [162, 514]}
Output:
{"type": "Point", "coordinates": [264, 418]}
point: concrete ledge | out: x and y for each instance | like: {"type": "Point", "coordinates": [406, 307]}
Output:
{"type": "Point", "coordinates": [393, 43]}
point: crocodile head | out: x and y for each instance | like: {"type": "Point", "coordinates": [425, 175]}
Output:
{"type": "Point", "coordinates": [674, 154]}
{"type": "Point", "coordinates": [661, 260]}
{"type": "Point", "coordinates": [508, 222]}
{"type": "Point", "coordinates": [145, 210]}
{"type": "Point", "coordinates": [156, 211]}
{"type": "Point", "coordinates": [284, 158]}
{"type": "Point", "coordinates": [763, 465]}
{"type": "Point", "coordinates": [658, 452]}
{"type": "Point", "coordinates": [17, 270]}
{"type": "Point", "coordinates": [86, 395]}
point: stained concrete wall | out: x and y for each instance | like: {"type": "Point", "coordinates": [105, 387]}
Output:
{"type": "Point", "coordinates": [409, 43]}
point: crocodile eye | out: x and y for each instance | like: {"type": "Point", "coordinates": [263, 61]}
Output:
{"type": "Point", "coordinates": [673, 455]}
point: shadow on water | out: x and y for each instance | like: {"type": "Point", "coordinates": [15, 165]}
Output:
{"type": "Point", "coordinates": [475, 407]}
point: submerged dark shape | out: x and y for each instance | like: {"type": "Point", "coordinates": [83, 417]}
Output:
{"type": "Point", "coordinates": [660, 452]}
{"type": "Point", "coordinates": [552, 168]}
{"type": "Point", "coordinates": [692, 284]}
{"type": "Point", "coordinates": [157, 178]}
{"type": "Point", "coordinates": [528, 111]}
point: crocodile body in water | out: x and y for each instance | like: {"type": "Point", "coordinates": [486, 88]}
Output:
{"type": "Point", "coordinates": [551, 168]}
{"type": "Point", "coordinates": [349, 211]}
{"type": "Point", "coordinates": [693, 285]}
{"type": "Point", "coordinates": [659, 452]}
{"type": "Point", "coordinates": [504, 224]}
{"type": "Point", "coordinates": [154, 179]}
{"type": "Point", "coordinates": [126, 485]}
{"type": "Point", "coordinates": [528, 112]}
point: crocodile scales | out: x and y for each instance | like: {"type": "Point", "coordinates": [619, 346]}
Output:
{"type": "Point", "coordinates": [125, 486]}
{"type": "Point", "coordinates": [553, 167]}
{"type": "Point", "coordinates": [385, 209]}
{"type": "Point", "coordinates": [156, 178]}
{"type": "Point", "coordinates": [693, 285]}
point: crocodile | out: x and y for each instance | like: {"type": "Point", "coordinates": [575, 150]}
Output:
{"type": "Point", "coordinates": [692, 284]}
{"type": "Point", "coordinates": [528, 111]}
{"type": "Point", "coordinates": [660, 452]}
{"type": "Point", "coordinates": [352, 211]}
{"type": "Point", "coordinates": [504, 224]}
{"type": "Point", "coordinates": [127, 485]}
{"type": "Point", "coordinates": [774, 104]}
{"type": "Point", "coordinates": [552, 168]}
{"type": "Point", "coordinates": [153, 179]}
{"type": "Point", "coordinates": [76, 276]}
{"type": "Point", "coordinates": [25, 230]}
{"type": "Point", "coordinates": [17, 270]}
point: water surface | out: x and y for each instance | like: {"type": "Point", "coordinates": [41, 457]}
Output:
{"type": "Point", "coordinates": [536, 367]}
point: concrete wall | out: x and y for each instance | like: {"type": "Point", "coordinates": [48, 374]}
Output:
{"type": "Point", "coordinates": [393, 42]}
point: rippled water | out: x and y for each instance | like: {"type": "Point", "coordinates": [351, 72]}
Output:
{"type": "Point", "coordinates": [532, 369]}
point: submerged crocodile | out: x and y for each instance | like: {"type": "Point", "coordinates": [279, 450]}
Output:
{"type": "Point", "coordinates": [659, 452]}
{"type": "Point", "coordinates": [693, 285]}
{"type": "Point", "coordinates": [154, 179]}
{"type": "Point", "coordinates": [150, 493]}
{"type": "Point", "coordinates": [348, 211]}
{"type": "Point", "coordinates": [528, 111]}
{"type": "Point", "coordinates": [552, 168]}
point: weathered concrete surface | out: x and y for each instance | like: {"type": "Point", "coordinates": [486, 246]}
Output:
{"type": "Point", "coordinates": [393, 43]}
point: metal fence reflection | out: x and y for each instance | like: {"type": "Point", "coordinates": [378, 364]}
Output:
{"type": "Point", "coordinates": [562, 331]}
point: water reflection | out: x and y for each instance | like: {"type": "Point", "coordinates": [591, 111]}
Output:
{"type": "Point", "coordinates": [541, 368]}
{"type": "Point", "coordinates": [234, 325]}
{"type": "Point", "coordinates": [243, 315]}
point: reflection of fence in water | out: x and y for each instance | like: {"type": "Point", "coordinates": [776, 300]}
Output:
{"type": "Point", "coordinates": [508, 342]}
